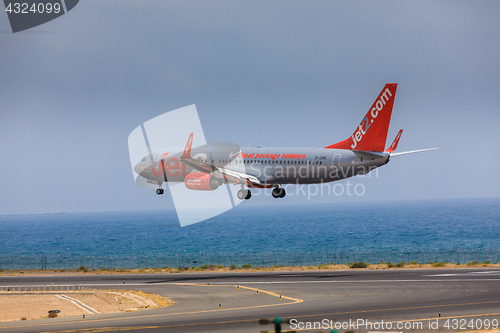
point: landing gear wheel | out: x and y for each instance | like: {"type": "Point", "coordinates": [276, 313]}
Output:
{"type": "Point", "coordinates": [159, 191]}
{"type": "Point", "coordinates": [244, 194]}
{"type": "Point", "coordinates": [278, 192]}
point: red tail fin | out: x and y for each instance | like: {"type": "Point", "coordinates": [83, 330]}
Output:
{"type": "Point", "coordinates": [371, 133]}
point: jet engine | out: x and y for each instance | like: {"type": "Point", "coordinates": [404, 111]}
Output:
{"type": "Point", "coordinates": [201, 181]}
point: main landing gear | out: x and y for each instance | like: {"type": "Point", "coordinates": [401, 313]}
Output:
{"type": "Point", "coordinates": [278, 192]}
{"type": "Point", "coordinates": [244, 194]}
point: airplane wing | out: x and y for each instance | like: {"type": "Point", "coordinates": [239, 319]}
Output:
{"type": "Point", "coordinates": [231, 176]}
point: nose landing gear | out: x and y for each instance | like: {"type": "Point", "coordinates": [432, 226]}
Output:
{"type": "Point", "coordinates": [159, 191]}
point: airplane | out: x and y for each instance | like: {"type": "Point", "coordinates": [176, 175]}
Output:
{"type": "Point", "coordinates": [206, 169]}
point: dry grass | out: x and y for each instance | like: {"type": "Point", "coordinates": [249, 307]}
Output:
{"type": "Point", "coordinates": [236, 269]}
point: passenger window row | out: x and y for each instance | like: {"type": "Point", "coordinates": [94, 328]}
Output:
{"type": "Point", "coordinates": [270, 162]}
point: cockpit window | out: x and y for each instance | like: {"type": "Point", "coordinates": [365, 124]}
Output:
{"type": "Point", "coordinates": [144, 159]}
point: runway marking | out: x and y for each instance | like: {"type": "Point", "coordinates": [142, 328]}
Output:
{"type": "Point", "coordinates": [106, 329]}
{"type": "Point", "coordinates": [423, 319]}
{"type": "Point", "coordinates": [111, 329]}
{"type": "Point", "coordinates": [256, 282]}
{"type": "Point", "coordinates": [488, 273]}
{"type": "Point", "coordinates": [90, 319]}
{"type": "Point", "coordinates": [81, 305]}
{"type": "Point", "coordinates": [394, 309]}
{"type": "Point", "coordinates": [348, 281]}
{"type": "Point", "coordinates": [295, 300]}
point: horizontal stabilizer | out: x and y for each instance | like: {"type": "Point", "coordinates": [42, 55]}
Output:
{"type": "Point", "coordinates": [369, 155]}
{"type": "Point", "coordinates": [412, 151]}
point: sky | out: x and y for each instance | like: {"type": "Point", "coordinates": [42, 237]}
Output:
{"type": "Point", "coordinates": [261, 73]}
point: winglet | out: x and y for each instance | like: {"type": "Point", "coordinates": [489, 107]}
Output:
{"type": "Point", "coordinates": [394, 144]}
{"type": "Point", "coordinates": [187, 150]}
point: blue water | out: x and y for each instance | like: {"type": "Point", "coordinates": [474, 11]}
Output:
{"type": "Point", "coordinates": [402, 226]}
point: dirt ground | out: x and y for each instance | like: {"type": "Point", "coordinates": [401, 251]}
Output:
{"type": "Point", "coordinates": [34, 306]}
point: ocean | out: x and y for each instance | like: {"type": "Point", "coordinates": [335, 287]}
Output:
{"type": "Point", "coordinates": [403, 226]}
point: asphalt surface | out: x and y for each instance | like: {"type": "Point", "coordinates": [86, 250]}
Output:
{"type": "Point", "coordinates": [333, 297]}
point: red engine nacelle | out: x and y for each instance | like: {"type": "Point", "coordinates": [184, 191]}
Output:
{"type": "Point", "coordinates": [201, 181]}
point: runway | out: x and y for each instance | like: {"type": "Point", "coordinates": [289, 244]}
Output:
{"type": "Point", "coordinates": [391, 296]}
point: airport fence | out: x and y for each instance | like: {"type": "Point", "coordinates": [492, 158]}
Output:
{"type": "Point", "coordinates": [41, 289]}
{"type": "Point", "coordinates": [246, 259]}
